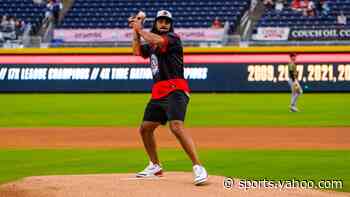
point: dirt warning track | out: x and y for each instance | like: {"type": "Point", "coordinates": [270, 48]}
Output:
{"type": "Point", "coordinates": [245, 138]}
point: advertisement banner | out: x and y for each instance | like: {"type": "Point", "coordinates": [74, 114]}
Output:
{"type": "Point", "coordinates": [86, 35]}
{"type": "Point", "coordinates": [319, 34]}
{"type": "Point", "coordinates": [125, 35]}
{"type": "Point", "coordinates": [200, 34]}
{"type": "Point", "coordinates": [272, 33]}
{"type": "Point", "coordinates": [205, 73]}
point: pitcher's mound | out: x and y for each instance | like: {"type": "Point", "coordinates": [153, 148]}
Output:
{"type": "Point", "coordinates": [126, 185]}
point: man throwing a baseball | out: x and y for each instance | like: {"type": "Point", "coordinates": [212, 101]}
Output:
{"type": "Point", "coordinates": [293, 83]}
{"type": "Point", "coordinates": [170, 91]}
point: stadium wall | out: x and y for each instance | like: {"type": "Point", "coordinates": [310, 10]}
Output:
{"type": "Point", "coordinates": [259, 69]}
{"type": "Point", "coordinates": [187, 50]}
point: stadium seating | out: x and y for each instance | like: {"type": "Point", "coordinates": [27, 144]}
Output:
{"type": "Point", "coordinates": [24, 10]}
{"type": "Point", "coordinates": [114, 14]}
{"type": "Point", "coordinates": [293, 19]}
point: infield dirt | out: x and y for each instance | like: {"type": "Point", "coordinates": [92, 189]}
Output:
{"type": "Point", "coordinates": [173, 183]}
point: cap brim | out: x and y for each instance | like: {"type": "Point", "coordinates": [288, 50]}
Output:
{"type": "Point", "coordinates": [165, 17]}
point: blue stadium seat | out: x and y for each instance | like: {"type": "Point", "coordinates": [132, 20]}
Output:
{"type": "Point", "coordinates": [186, 13]}
{"type": "Point", "coordinates": [24, 10]}
{"type": "Point", "coordinates": [297, 20]}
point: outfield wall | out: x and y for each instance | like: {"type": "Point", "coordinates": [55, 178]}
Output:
{"type": "Point", "coordinates": [77, 70]}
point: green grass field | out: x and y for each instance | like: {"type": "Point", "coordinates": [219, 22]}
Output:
{"type": "Point", "coordinates": [223, 110]}
{"type": "Point", "coordinates": [205, 110]}
{"type": "Point", "coordinates": [251, 165]}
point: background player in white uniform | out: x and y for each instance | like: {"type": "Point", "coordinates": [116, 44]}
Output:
{"type": "Point", "coordinates": [293, 83]}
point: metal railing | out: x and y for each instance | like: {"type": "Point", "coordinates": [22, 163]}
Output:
{"type": "Point", "coordinates": [298, 43]}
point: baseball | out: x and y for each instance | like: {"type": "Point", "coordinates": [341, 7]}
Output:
{"type": "Point", "coordinates": [141, 15]}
